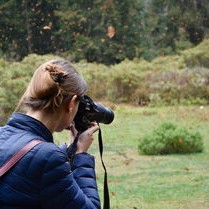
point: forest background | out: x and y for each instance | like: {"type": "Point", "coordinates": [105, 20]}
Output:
{"type": "Point", "coordinates": [102, 31]}
{"type": "Point", "coordinates": [142, 52]}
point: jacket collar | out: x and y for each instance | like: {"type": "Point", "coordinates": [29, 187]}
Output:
{"type": "Point", "coordinates": [30, 124]}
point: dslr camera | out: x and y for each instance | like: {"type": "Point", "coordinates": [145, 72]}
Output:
{"type": "Point", "coordinates": [89, 111]}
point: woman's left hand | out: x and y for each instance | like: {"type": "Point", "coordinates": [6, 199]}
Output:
{"type": "Point", "coordinates": [86, 138]}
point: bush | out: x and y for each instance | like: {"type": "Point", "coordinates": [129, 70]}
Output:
{"type": "Point", "coordinates": [167, 80]}
{"type": "Point", "coordinates": [174, 86]}
{"type": "Point", "coordinates": [197, 56]}
{"type": "Point", "coordinates": [97, 77]}
{"type": "Point", "coordinates": [125, 78]}
{"type": "Point", "coordinates": [168, 138]}
{"type": "Point", "coordinates": [14, 79]}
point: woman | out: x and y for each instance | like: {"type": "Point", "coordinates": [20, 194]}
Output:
{"type": "Point", "coordinates": [43, 178]}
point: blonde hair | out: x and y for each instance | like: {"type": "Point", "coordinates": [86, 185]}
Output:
{"type": "Point", "coordinates": [52, 84]}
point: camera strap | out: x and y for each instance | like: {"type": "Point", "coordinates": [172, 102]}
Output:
{"type": "Point", "coordinates": [106, 204]}
{"type": "Point", "coordinates": [71, 152]}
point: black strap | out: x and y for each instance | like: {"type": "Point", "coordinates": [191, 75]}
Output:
{"type": "Point", "coordinates": [106, 190]}
{"type": "Point", "coordinates": [71, 152]}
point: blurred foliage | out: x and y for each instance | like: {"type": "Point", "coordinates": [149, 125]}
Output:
{"type": "Point", "coordinates": [107, 32]}
{"type": "Point", "coordinates": [14, 79]}
{"type": "Point", "coordinates": [197, 57]}
{"type": "Point", "coordinates": [167, 80]}
{"type": "Point", "coordinates": [27, 27]}
{"type": "Point", "coordinates": [168, 138]}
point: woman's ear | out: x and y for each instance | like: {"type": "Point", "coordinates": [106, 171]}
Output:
{"type": "Point", "coordinates": [71, 104]}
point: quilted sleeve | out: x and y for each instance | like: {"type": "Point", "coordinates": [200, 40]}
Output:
{"type": "Point", "coordinates": [84, 174]}
{"type": "Point", "coordinates": [63, 188]}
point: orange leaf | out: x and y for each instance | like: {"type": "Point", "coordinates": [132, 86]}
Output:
{"type": "Point", "coordinates": [46, 27]}
{"type": "Point", "coordinates": [111, 32]}
{"type": "Point", "coordinates": [180, 140]}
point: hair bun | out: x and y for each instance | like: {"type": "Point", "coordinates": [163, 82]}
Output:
{"type": "Point", "coordinates": [48, 85]}
{"type": "Point", "coordinates": [53, 77]}
{"type": "Point", "coordinates": [53, 83]}
{"type": "Point", "coordinates": [56, 72]}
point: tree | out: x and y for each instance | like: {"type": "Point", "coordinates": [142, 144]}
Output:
{"type": "Point", "coordinates": [107, 31]}
{"type": "Point", "coordinates": [27, 27]}
{"type": "Point", "coordinates": [174, 25]}
{"type": "Point", "coordinates": [12, 38]}
{"type": "Point", "coordinates": [86, 26]}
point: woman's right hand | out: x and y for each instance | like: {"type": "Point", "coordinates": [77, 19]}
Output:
{"type": "Point", "coordinates": [86, 138]}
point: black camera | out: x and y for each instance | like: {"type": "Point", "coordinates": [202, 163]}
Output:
{"type": "Point", "coordinates": [89, 111]}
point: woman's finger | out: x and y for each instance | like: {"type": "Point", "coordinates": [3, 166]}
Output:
{"type": "Point", "coordinates": [73, 130]}
{"type": "Point", "coordinates": [93, 128]}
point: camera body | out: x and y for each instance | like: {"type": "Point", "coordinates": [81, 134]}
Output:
{"type": "Point", "coordinates": [89, 111]}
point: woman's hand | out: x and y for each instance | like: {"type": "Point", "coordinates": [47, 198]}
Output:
{"type": "Point", "coordinates": [86, 138]}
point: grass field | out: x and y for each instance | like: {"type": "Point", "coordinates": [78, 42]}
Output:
{"type": "Point", "coordinates": [153, 182]}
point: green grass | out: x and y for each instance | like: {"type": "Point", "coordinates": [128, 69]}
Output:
{"type": "Point", "coordinates": [152, 182]}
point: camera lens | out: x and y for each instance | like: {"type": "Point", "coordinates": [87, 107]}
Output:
{"type": "Point", "coordinates": [100, 114]}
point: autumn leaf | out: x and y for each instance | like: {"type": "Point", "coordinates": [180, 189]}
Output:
{"type": "Point", "coordinates": [46, 27]}
{"type": "Point", "coordinates": [111, 32]}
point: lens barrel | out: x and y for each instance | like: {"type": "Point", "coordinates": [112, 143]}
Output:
{"type": "Point", "coordinates": [100, 114]}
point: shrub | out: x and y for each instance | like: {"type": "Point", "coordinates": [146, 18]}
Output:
{"type": "Point", "coordinates": [197, 56]}
{"type": "Point", "coordinates": [14, 79]}
{"type": "Point", "coordinates": [165, 63]}
{"type": "Point", "coordinates": [141, 96]}
{"type": "Point", "coordinates": [97, 77]}
{"type": "Point", "coordinates": [168, 138]}
{"type": "Point", "coordinates": [125, 78]}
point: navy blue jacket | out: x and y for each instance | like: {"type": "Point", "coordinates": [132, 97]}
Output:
{"type": "Point", "coordinates": [43, 178]}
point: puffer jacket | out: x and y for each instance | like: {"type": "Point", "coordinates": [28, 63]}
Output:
{"type": "Point", "coordinates": [43, 178]}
